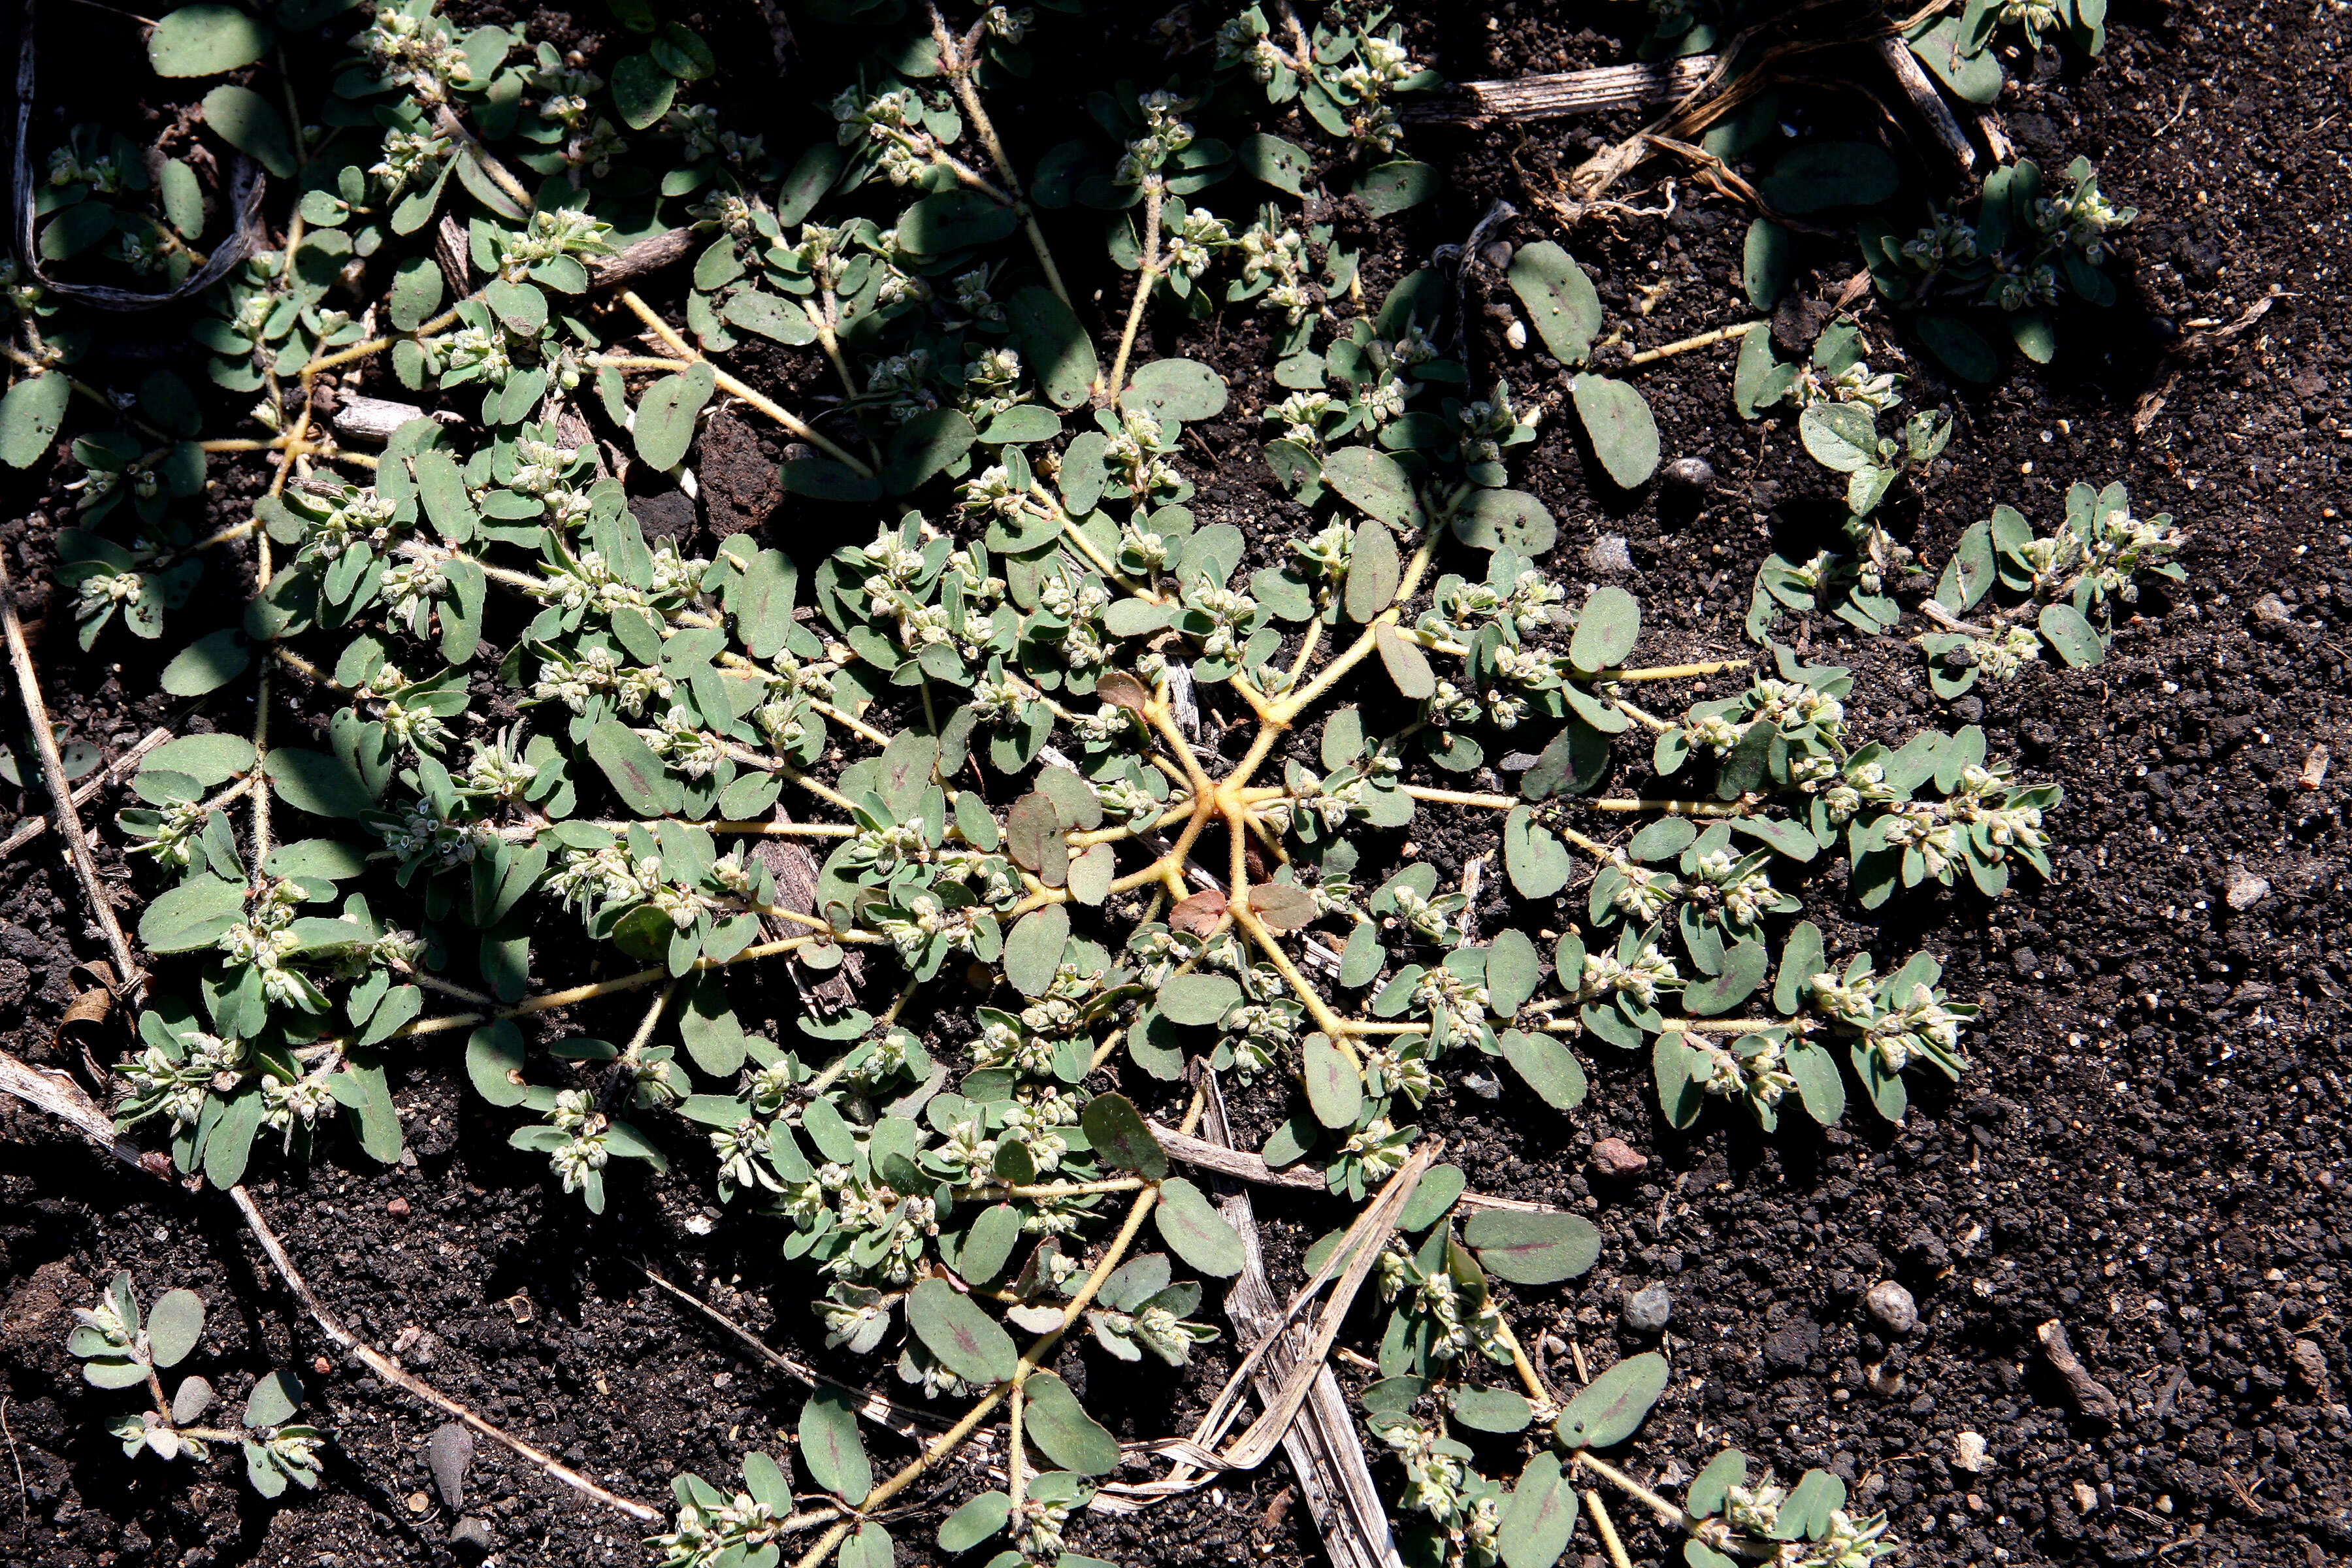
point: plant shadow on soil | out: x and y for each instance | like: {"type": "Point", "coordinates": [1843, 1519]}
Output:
{"type": "Point", "coordinates": [2150, 1146]}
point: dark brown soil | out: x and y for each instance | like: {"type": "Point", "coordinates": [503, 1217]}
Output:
{"type": "Point", "coordinates": [2150, 1147]}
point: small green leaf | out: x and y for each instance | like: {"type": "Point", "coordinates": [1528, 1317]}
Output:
{"type": "Point", "coordinates": [209, 663]}
{"type": "Point", "coordinates": [975, 1521]}
{"type": "Point", "coordinates": [274, 1400]}
{"type": "Point", "coordinates": [830, 1446]}
{"type": "Point", "coordinates": [1375, 571]}
{"type": "Point", "coordinates": [205, 40]}
{"type": "Point", "coordinates": [1513, 971]}
{"type": "Point", "coordinates": [1606, 629]}
{"type": "Point", "coordinates": [1372, 481]}
{"type": "Point", "coordinates": [1538, 1517]}
{"type": "Point", "coordinates": [1034, 948]}
{"type": "Point", "coordinates": [1062, 1430]}
{"type": "Point", "coordinates": [1052, 344]}
{"type": "Point", "coordinates": [1387, 189]}
{"type": "Point", "coordinates": [642, 90]}
{"type": "Point", "coordinates": [1814, 175]}
{"type": "Point", "coordinates": [665, 419]}
{"type": "Point", "coordinates": [1617, 418]}
{"type": "Point", "coordinates": [955, 219]}
{"type": "Point", "coordinates": [494, 1056]}
{"type": "Point", "coordinates": [2070, 635]}
{"type": "Point", "coordinates": [1431, 1199]}
{"type": "Point", "coordinates": [1194, 1231]}
{"type": "Point", "coordinates": [1764, 263]}
{"type": "Point", "coordinates": [1611, 1406]}
{"type": "Point", "coordinates": [1960, 347]}
{"type": "Point", "coordinates": [246, 122]}
{"type": "Point", "coordinates": [173, 1324]}
{"type": "Point", "coordinates": [1841, 436]}
{"type": "Point", "coordinates": [1559, 300]}
{"type": "Point", "coordinates": [924, 446]}
{"type": "Point", "coordinates": [319, 783]}
{"type": "Point", "coordinates": [1548, 1067]}
{"type": "Point", "coordinates": [1805, 1513]}
{"type": "Point", "coordinates": [1491, 1410]}
{"type": "Point", "coordinates": [1198, 1000]}
{"type": "Point", "coordinates": [637, 774]}
{"type": "Point", "coordinates": [29, 416]}
{"type": "Point", "coordinates": [1179, 389]}
{"type": "Point", "coordinates": [1334, 1090]}
{"type": "Point", "coordinates": [963, 1338]}
{"type": "Point", "coordinates": [1726, 1470]}
{"type": "Point", "coordinates": [1532, 1249]}
{"type": "Point", "coordinates": [1121, 1140]}
{"type": "Point", "coordinates": [1285, 165]}
{"type": "Point", "coordinates": [1407, 665]}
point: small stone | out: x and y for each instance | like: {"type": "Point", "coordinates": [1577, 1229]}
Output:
{"type": "Point", "coordinates": [1615, 1157]}
{"type": "Point", "coordinates": [2085, 1499]}
{"type": "Point", "coordinates": [1648, 1309]}
{"type": "Point", "coordinates": [446, 1453]}
{"type": "Point", "coordinates": [471, 1538]}
{"type": "Point", "coordinates": [418, 1502]}
{"type": "Point", "coordinates": [1892, 1305]}
{"type": "Point", "coordinates": [322, 1365]}
{"type": "Point", "coordinates": [2244, 890]}
{"type": "Point", "coordinates": [1968, 1451]}
{"type": "Point", "coordinates": [1496, 255]}
{"type": "Point", "coordinates": [1689, 473]}
{"type": "Point", "coordinates": [1608, 557]}
{"type": "Point", "coordinates": [2310, 1364]}
{"type": "Point", "coordinates": [2272, 609]}
{"type": "Point", "coordinates": [398, 1207]}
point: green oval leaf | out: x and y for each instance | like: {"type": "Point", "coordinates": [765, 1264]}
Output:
{"type": "Point", "coordinates": [1375, 571]}
{"type": "Point", "coordinates": [1764, 263]}
{"type": "Point", "coordinates": [319, 783]}
{"type": "Point", "coordinates": [1034, 948]}
{"type": "Point", "coordinates": [1198, 1000]}
{"type": "Point", "coordinates": [1372, 481]}
{"type": "Point", "coordinates": [204, 40]}
{"type": "Point", "coordinates": [173, 1324]}
{"type": "Point", "coordinates": [1194, 1231]}
{"type": "Point", "coordinates": [29, 418]}
{"type": "Point", "coordinates": [1285, 165]}
{"type": "Point", "coordinates": [642, 90]}
{"type": "Point", "coordinates": [1532, 1249]}
{"type": "Point", "coordinates": [1538, 1517]}
{"type": "Point", "coordinates": [963, 1338]}
{"type": "Point", "coordinates": [2070, 635]}
{"type": "Point", "coordinates": [975, 1522]}
{"type": "Point", "coordinates": [637, 776]}
{"type": "Point", "coordinates": [665, 419]}
{"type": "Point", "coordinates": [1612, 1405]}
{"type": "Point", "coordinates": [1064, 1432]}
{"type": "Point", "coordinates": [493, 1052]}
{"type": "Point", "coordinates": [1618, 420]}
{"type": "Point", "coordinates": [1491, 1410]}
{"type": "Point", "coordinates": [1407, 665]}
{"type": "Point", "coordinates": [1814, 175]}
{"type": "Point", "coordinates": [1559, 298]}
{"type": "Point", "coordinates": [248, 122]}
{"type": "Point", "coordinates": [209, 663]}
{"type": "Point", "coordinates": [1177, 389]}
{"type": "Point", "coordinates": [1606, 629]}
{"type": "Point", "coordinates": [830, 1446]}
{"type": "Point", "coordinates": [274, 1399]}
{"type": "Point", "coordinates": [1121, 1140]}
{"type": "Point", "coordinates": [1548, 1067]}
{"type": "Point", "coordinates": [1334, 1090]}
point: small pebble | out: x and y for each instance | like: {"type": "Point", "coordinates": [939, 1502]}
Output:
{"type": "Point", "coordinates": [2272, 609]}
{"type": "Point", "coordinates": [2085, 1499]}
{"type": "Point", "coordinates": [1892, 1305]}
{"type": "Point", "coordinates": [1968, 1451]}
{"type": "Point", "coordinates": [398, 1206]}
{"type": "Point", "coordinates": [471, 1539]}
{"type": "Point", "coordinates": [1496, 255]}
{"type": "Point", "coordinates": [2244, 890]}
{"type": "Point", "coordinates": [446, 1453]}
{"type": "Point", "coordinates": [2310, 1364]}
{"type": "Point", "coordinates": [1608, 557]}
{"type": "Point", "coordinates": [1689, 473]}
{"type": "Point", "coordinates": [1615, 1157]}
{"type": "Point", "coordinates": [322, 1365]}
{"type": "Point", "coordinates": [1648, 1309]}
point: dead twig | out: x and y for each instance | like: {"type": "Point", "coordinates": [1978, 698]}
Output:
{"type": "Point", "coordinates": [1557, 95]}
{"type": "Point", "coordinates": [24, 1494]}
{"type": "Point", "coordinates": [32, 827]}
{"type": "Point", "coordinates": [53, 774]}
{"type": "Point", "coordinates": [1244, 1166]}
{"type": "Point", "coordinates": [1926, 101]}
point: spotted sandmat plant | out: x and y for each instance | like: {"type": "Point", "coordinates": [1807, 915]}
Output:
{"type": "Point", "coordinates": [999, 759]}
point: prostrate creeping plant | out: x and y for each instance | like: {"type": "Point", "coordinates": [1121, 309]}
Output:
{"type": "Point", "coordinates": [1043, 742]}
